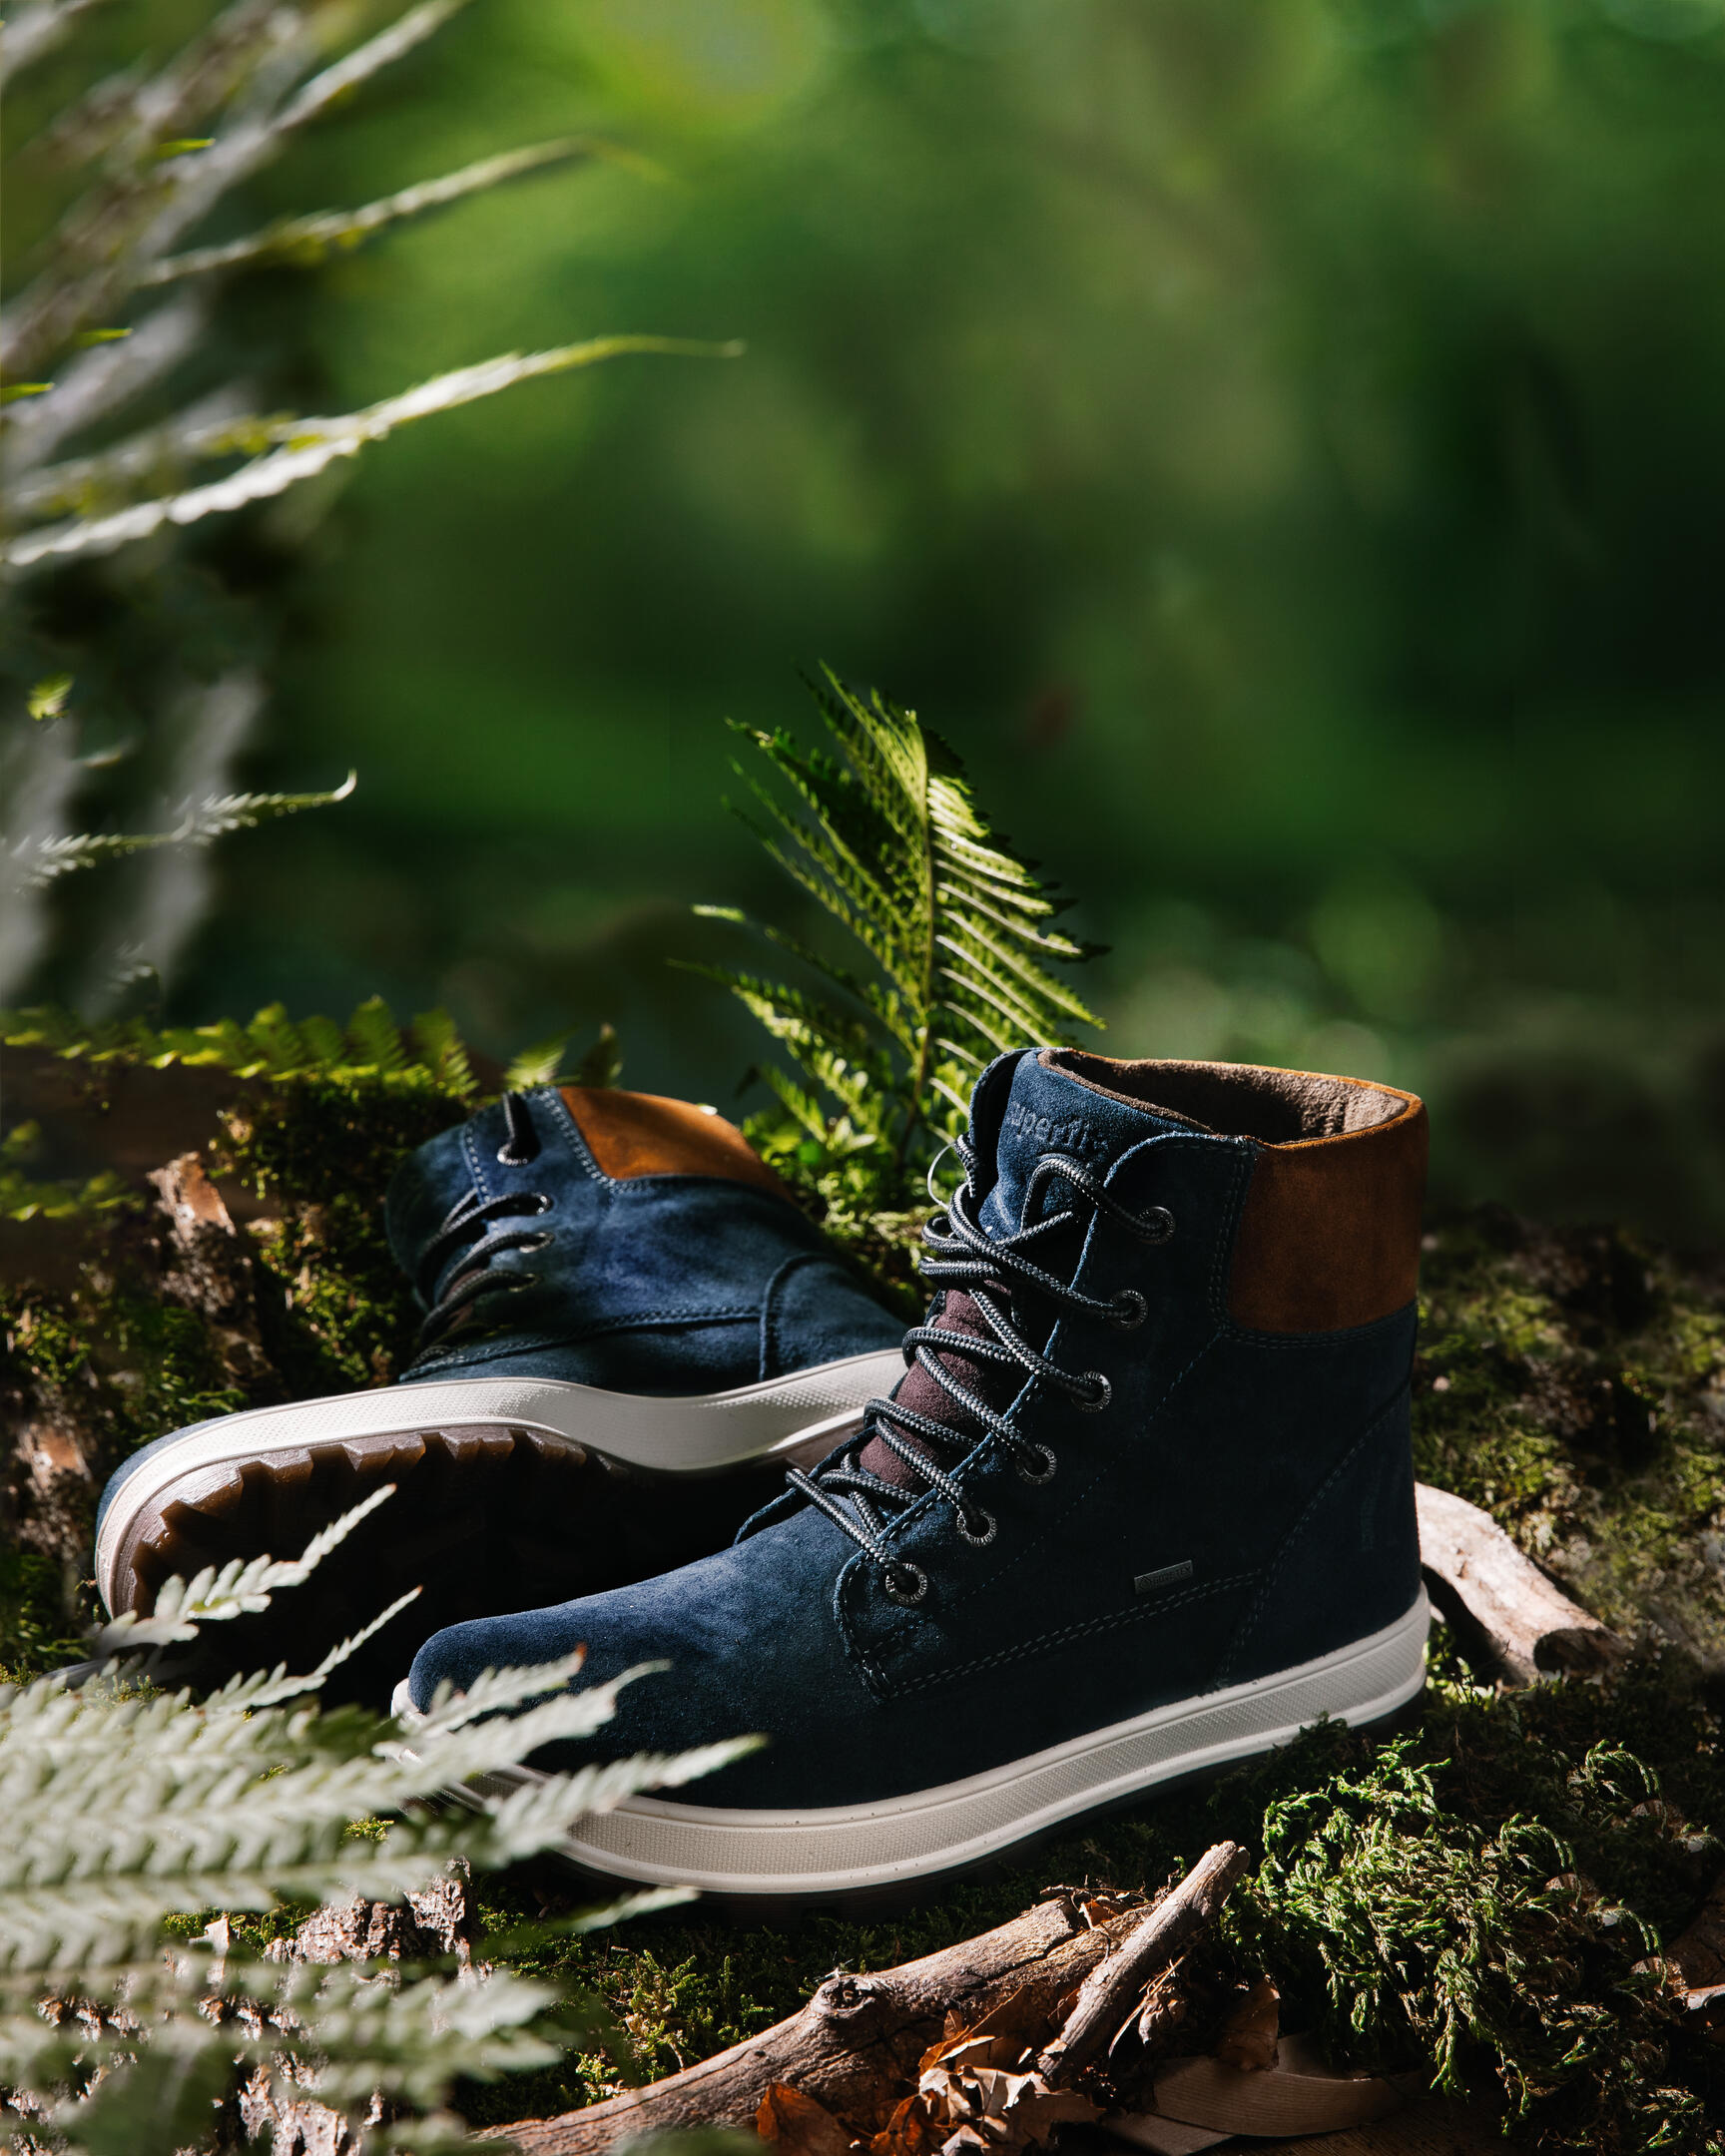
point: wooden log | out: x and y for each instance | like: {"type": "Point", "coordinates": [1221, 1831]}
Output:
{"type": "Point", "coordinates": [1113, 1990]}
{"type": "Point", "coordinates": [855, 2047]}
{"type": "Point", "coordinates": [1530, 1625]}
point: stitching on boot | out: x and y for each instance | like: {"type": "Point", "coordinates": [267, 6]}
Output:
{"type": "Point", "coordinates": [772, 1345]}
{"type": "Point", "coordinates": [1137, 1613]}
{"type": "Point", "coordinates": [1245, 1160]}
{"type": "Point", "coordinates": [559, 1108]}
{"type": "Point", "coordinates": [475, 1167]}
{"type": "Point", "coordinates": [1237, 1646]}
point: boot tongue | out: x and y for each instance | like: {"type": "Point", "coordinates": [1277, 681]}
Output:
{"type": "Point", "coordinates": [1047, 1111]}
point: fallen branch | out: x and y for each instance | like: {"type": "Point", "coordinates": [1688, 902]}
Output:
{"type": "Point", "coordinates": [1532, 1628]}
{"type": "Point", "coordinates": [1115, 1987]}
{"type": "Point", "coordinates": [983, 2039]}
{"type": "Point", "coordinates": [855, 2047]}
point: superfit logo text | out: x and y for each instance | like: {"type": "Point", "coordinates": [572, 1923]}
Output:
{"type": "Point", "coordinates": [1072, 1136]}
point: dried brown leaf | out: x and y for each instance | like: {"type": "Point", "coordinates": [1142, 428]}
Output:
{"type": "Point", "coordinates": [905, 2133]}
{"type": "Point", "coordinates": [1249, 2034]}
{"type": "Point", "coordinates": [798, 2126]}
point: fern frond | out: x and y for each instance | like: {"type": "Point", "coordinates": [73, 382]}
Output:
{"type": "Point", "coordinates": [318, 443]}
{"type": "Point", "coordinates": [126, 1805]}
{"type": "Point", "coordinates": [887, 838]}
{"type": "Point", "coordinates": [537, 1065]}
{"type": "Point", "coordinates": [602, 1064]}
{"type": "Point", "coordinates": [375, 1037]}
{"type": "Point", "coordinates": [274, 1047]}
{"type": "Point", "coordinates": [305, 241]}
{"type": "Point", "coordinates": [33, 32]}
{"type": "Point", "coordinates": [37, 862]}
{"type": "Point", "coordinates": [242, 1588]}
{"type": "Point", "coordinates": [443, 1052]}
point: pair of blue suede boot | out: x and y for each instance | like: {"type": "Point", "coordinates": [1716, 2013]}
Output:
{"type": "Point", "coordinates": [1135, 1500]}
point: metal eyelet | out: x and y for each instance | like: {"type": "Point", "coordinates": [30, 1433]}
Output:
{"type": "Point", "coordinates": [977, 1537]}
{"type": "Point", "coordinates": [1095, 1403]}
{"type": "Point", "coordinates": [538, 1242]}
{"type": "Point", "coordinates": [511, 1159]}
{"type": "Point", "coordinates": [541, 1204]}
{"type": "Point", "coordinates": [1158, 1224]}
{"type": "Point", "coordinates": [1130, 1310]}
{"type": "Point", "coordinates": [1049, 1464]}
{"type": "Point", "coordinates": [906, 1584]}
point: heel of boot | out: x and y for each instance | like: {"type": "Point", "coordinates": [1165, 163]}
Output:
{"type": "Point", "coordinates": [1347, 1567]}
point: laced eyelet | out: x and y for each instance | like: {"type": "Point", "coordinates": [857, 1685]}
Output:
{"type": "Point", "coordinates": [1158, 1224]}
{"type": "Point", "coordinates": [538, 1242]}
{"type": "Point", "coordinates": [906, 1584]}
{"type": "Point", "coordinates": [1094, 1402]}
{"type": "Point", "coordinates": [511, 1159]}
{"type": "Point", "coordinates": [976, 1534]}
{"type": "Point", "coordinates": [1046, 1472]}
{"type": "Point", "coordinates": [541, 1204]}
{"type": "Point", "coordinates": [1130, 1310]}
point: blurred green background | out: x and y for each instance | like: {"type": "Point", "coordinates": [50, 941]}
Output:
{"type": "Point", "coordinates": [1279, 443]}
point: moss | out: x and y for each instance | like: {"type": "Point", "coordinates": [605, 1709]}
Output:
{"type": "Point", "coordinates": [320, 1152]}
{"type": "Point", "coordinates": [124, 1345]}
{"type": "Point", "coordinates": [1573, 1384]}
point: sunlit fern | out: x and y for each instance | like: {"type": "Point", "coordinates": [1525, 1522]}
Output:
{"type": "Point", "coordinates": [131, 1807]}
{"type": "Point", "coordinates": [111, 349]}
{"type": "Point", "coordinates": [427, 1055]}
{"type": "Point", "coordinates": [952, 940]}
{"type": "Point", "coordinates": [272, 1045]}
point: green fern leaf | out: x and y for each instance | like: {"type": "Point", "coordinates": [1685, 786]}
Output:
{"type": "Point", "coordinates": [375, 1036]}
{"type": "Point", "coordinates": [443, 1052]}
{"type": "Point", "coordinates": [953, 930]}
{"type": "Point", "coordinates": [602, 1065]}
{"type": "Point", "coordinates": [538, 1065]}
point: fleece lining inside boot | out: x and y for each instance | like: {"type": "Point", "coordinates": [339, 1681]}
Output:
{"type": "Point", "coordinates": [1235, 1100]}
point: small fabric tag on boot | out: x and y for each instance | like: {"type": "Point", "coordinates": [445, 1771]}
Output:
{"type": "Point", "coordinates": [1169, 1576]}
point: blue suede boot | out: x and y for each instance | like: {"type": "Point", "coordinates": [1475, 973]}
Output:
{"type": "Point", "coordinates": [629, 1328]}
{"type": "Point", "coordinates": [1144, 1503]}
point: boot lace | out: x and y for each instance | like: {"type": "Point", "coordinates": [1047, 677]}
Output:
{"type": "Point", "coordinates": [473, 1216]}
{"type": "Point", "coordinates": [992, 1268]}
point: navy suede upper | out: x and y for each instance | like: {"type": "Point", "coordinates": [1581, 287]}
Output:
{"type": "Point", "coordinates": [656, 1283]}
{"type": "Point", "coordinates": [1243, 1503]}
{"type": "Point", "coordinates": [653, 1284]}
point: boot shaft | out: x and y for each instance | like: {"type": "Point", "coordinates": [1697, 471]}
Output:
{"type": "Point", "coordinates": [1245, 1497]}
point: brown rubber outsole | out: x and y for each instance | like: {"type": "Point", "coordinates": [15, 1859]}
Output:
{"type": "Point", "coordinates": [487, 1519]}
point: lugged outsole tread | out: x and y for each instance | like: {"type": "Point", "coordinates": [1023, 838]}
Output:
{"type": "Point", "coordinates": [485, 1521]}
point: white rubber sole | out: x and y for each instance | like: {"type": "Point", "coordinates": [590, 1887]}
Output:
{"type": "Point", "coordinates": [798, 1418]}
{"type": "Point", "coordinates": [649, 1840]}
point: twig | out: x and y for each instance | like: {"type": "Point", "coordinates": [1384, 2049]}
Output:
{"type": "Point", "coordinates": [1160, 1936]}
